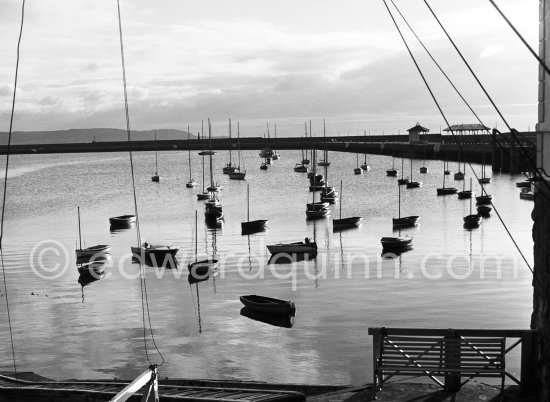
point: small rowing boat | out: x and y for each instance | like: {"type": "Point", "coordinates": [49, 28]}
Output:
{"type": "Point", "coordinates": [269, 305]}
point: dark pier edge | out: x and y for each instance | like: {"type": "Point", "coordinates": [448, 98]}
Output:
{"type": "Point", "coordinates": [540, 318]}
{"type": "Point", "coordinates": [500, 149]}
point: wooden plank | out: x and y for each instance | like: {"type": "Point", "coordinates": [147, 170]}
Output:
{"type": "Point", "coordinates": [508, 333]}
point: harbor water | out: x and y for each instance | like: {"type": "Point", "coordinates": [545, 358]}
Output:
{"type": "Point", "coordinates": [452, 277]}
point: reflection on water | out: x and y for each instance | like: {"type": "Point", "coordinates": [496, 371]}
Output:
{"type": "Point", "coordinates": [277, 320]}
{"type": "Point", "coordinates": [339, 291]}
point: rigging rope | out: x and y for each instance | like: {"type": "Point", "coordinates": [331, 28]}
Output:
{"type": "Point", "coordinates": [494, 135]}
{"type": "Point", "coordinates": [448, 125]}
{"type": "Point", "coordinates": [143, 284]}
{"type": "Point", "coordinates": [512, 132]}
{"type": "Point", "coordinates": [6, 185]}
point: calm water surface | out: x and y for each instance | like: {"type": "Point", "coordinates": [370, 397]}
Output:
{"type": "Point", "coordinates": [63, 330]}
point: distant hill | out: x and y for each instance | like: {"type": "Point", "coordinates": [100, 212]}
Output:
{"type": "Point", "coordinates": [88, 135]}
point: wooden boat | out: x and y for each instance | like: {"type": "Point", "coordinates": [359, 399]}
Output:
{"type": "Point", "coordinates": [423, 169]}
{"type": "Point", "coordinates": [160, 252]}
{"type": "Point", "coordinates": [471, 220]}
{"type": "Point", "coordinates": [323, 163]}
{"type": "Point", "coordinates": [391, 243]}
{"type": "Point", "coordinates": [485, 199]}
{"type": "Point", "coordinates": [317, 205]}
{"type": "Point", "coordinates": [344, 223]}
{"type": "Point", "coordinates": [459, 175]}
{"type": "Point", "coordinates": [411, 183]}
{"type": "Point", "coordinates": [205, 194]}
{"type": "Point", "coordinates": [365, 166]}
{"type": "Point", "coordinates": [403, 180]}
{"type": "Point", "coordinates": [329, 195]}
{"type": "Point", "coordinates": [523, 184]}
{"type": "Point", "coordinates": [403, 221]}
{"type": "Point", "coordinates": [300, 168]}
{"type": "Point", "coordinates": [213, 211]}
{"type": "Point", "coordinates": [483, 179]}
{"type": "Point", "coordinates": [156, 178]}
{"type": "Point", "coordinates": [268, 305]}
{"type": "Point", "coordinates": [263, 166]}
{"type": "Point", "coordinates": [484, 210]}
{"type": "Point", "coordinates": [207, 152]}
{"type": "Point", "coordinates": [393, 171]}
{"type": "Point", "coordinates": [249, 226]}
{"type": "Point", "coordinates": [318, 214]}
{"type": "Point", "coordinates": [92, 251]}
{"type": "Point", "coordinates": [199, 270]}
{"type": "Point", "coordinates": [446, 190]}
{"type": "Point", "coordinates": [277, 320]}
{"type": "Point", "coordinates": [306, 246]}
{"type": "Point", "coordinates": [191, 183]}
{"type": "Point", "coordinates": [122, 220]}
{"type": "Point", "coordinates": [465, 194]}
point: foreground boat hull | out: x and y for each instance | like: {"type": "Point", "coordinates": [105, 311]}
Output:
{"type": "Point", "coordinates": [406, 221]}
{"type": "Point", "coordinates": [268, 305]}
{"type": "Point", "coordinates": [346, 222]}
{"type": "Point", "coordinates": [254, 226]}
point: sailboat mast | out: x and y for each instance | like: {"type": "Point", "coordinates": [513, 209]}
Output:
{"type": "Point", "coordinates": [248, 202]}
{"type": "Point", "coordinates": [411, 169]}
{"type": "Point", "coordinates": [189, 146]}
{"type": "Point", "coordinates": [230, 143]}
{"type": "Point", "coordinates": [156, 154]}
{"type": "Point", "coordinates": [401, 168]}
{"type": "Point", "coordinates": [79, 232]}
{"type": "Point", "coordinates": [202, 156]}
{"type": "Point", "coordinates": [210, 141]}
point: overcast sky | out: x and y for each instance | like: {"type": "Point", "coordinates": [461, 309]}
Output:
{"type": "Point", "coordinates": [261, 62]}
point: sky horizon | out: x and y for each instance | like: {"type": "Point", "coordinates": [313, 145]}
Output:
{"type": "Point", "coordinates": [281, 63]}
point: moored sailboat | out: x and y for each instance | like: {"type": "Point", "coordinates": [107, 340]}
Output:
{"type": "Point", "coordinates": [191, 183]}
{"type": "Point", "coordinates": [238, 174]}
{"type": "Point", "coordinates": [344, 223]}
{"type": "Point", "coordinates": [249, 226]}
{"type": "Point", "coordinates": [92, 251]}
{"type": "Point", "coordinates": [405, 221]}
{"type": "Point", "coordinates": [156, 178]}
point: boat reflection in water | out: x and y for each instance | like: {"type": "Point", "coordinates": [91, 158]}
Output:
{"type": "Point", "coordinates": [277, 320]}
{"type": "Point", "coordinates": [395, 252]}
{"type": "Point", "coordinates": [286, 258]}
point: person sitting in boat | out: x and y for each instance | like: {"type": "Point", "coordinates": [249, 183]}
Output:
{"type": "Point", "coordinates": [307, 240]}
{"type": "Point", "coordinates": [145, 244]}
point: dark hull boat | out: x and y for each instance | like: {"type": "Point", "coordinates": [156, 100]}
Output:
{"type": "Point", "coordinates": [447, 190]}
{"type": "Point", "coordinates": [405, 221]}
{"type": "Point", "coordinates": [414, 184]}
{"type": "Point", "coordinates": [254, 226]}
{"type": "Point", "coordinates": [277, 320]}
{"type": "Point", "coordinates": [395, 243]}
{"type": "Point", "coordinates": [346, 222]}
{"type": "Point", "coordinates": [201, 269]}
{"type": "Point", "coordinates": [484, 199]}
{"type": "Point", "coordinates": [391, 172]}
{"type": "Point", "coordinates": [472, 220]}
{"type": "Point", "coordinates": [268, 305]}
{"type": "Point", "coordinates": [463, 195]}
{"type": "Point", "coordinates": [484, 210]}
{"type": "Point", "coordinates": [402, 182]}
{"type": "Point", "coordinates": [122, 221]}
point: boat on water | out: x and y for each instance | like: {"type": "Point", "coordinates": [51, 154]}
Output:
{"type": "Point", "coordinates": [92, 251]}
{"type": "Point", "coordinates": [345, 223]}
{"type": "Point", "coordinates": [316, 210]}
{"type": "Point", "coordinates": [484, 198]}
{"type": "Point", "coordinates": [423, 169]}
{"type": "Point", "coordinates": [160, 253]}
{"type": "Point", "coordinates": [403, 180]}
{"type": "Point", "coordinates": [268, 305]}
{"type": "Point", "coordinates": [238, 174]}
{"type": "Point", "coordinates": [398, 243]}
{"type": "Point", "coordinates": [484, 179]}
{"type": "Point", "coordinates": [323, 163]}
{"type": "Point", "coordinates": [249, 226]}
{"type": "Point", "coordinates": [524, 184]}
{"type": "Point", "coordinates": [460, 175]}
{"type": "Point", "coordinates": [484, 210]}
{"type": "Point", "coordinates": [263, 166]}
{"type": "Point", "coordinates": [156, 178]}
{"type": "Point", "coordinates": [411, 183]}
{"type": "Point", "coordinates": [229, 167]}
{"type": "Point", "coordinates": [277, 320]}
{"type": "Point", "coordinates": [122, 220]}
{"type": "Point", "coordinates": [300, 168]}
{"type": "Point", "coordinates": [393, 171]}
{"type": "Point", "coordinates": [191, 183]}
{"type": "Point", "coordinates": [446, 190]}
{"type": "Point", "coordinates": [465, 194]}
{"type": "Point", "coordinates": [403, 221]}
{"type": "Point", "coordinates": [365, 166]}
{"type": "Point", "coordinates": [213, 211]}
{"type": "Point", "coordinates": [302, 247]}
{"type": "Point", "coordinates": [266, 153]}
{"type": "Point", "coordinates": [472, 220]}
